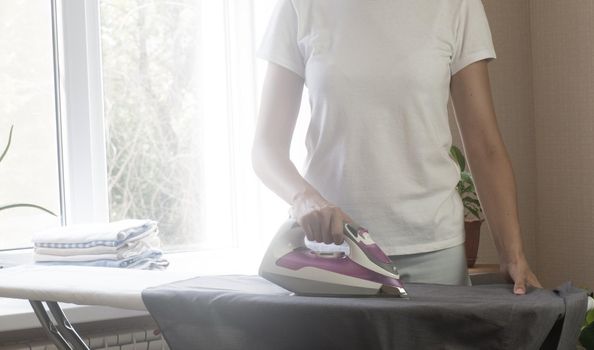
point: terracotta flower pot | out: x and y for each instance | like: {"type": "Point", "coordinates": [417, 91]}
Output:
{"type": "Point", "coordinates": [473, 235]}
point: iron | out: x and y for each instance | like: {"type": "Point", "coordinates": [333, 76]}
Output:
{"type": "Point", "coordinates": [362, 269]}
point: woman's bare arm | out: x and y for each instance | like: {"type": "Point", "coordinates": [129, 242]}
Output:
{"type": "Point", "coordinates": [279, 108]}
{"type": "Point", "coordinates": [491, 167]}
{"type": "Point", "coordinates": [280, 102]}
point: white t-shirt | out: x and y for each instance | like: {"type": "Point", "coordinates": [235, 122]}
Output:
{"type": "Point", "coordinates": [378, 75]}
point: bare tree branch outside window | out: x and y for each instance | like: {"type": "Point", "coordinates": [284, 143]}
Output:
{"type": "Point", "coordinates": [152, 113]}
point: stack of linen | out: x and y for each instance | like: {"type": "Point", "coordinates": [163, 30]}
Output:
{"type": "Point", "coordinates": [125, 244]}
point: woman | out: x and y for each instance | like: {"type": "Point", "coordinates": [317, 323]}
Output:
{"type": "Point", "coordinates": [379, 75]}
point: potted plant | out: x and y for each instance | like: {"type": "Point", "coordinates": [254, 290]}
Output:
{"type": "Point", "coordinates": [586, 337]}
{"type": "Point", "coordinates": [473, 217]}
{"type": "Point", "coordinates": [17, 205]}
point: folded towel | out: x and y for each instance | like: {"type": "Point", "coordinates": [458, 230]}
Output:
{"type": "Point", "coordinates": [142, 264]}
{"type": "Point", "coordinates": [123, 244]}
{"type": "Point", "coordinates": [149, 260]}
{"type": "Point", "coordinates": [139, 245]}
{"type": "Point", "coordinates": [114, 234]}
{"type": "Point", "coordinates": [125, 254]}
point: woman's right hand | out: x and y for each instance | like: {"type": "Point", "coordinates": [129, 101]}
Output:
{"type": "Point", "coordinates": [321, 220]}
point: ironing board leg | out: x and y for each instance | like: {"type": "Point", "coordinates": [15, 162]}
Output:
{"type": "Point", "coordinates": [54, 334]}
{"type": "Point", "coordinates": [65, 327]}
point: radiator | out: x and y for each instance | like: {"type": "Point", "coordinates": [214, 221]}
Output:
{"type": "Point", "coordinates": [142, 339]}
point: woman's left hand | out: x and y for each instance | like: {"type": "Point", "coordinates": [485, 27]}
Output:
{"type": "Point", "coordinates": [520, 273]}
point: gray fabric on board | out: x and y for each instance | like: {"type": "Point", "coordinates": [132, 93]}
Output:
{"type": "Point", "coordinates": [248, 312]}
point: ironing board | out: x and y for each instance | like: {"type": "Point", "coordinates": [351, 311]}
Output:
{"type": "Point", "coordinates": [248, 312]}
{"type": "Point", "coordinates": [119, 288]}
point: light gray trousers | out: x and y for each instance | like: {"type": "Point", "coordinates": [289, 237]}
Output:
{"type": "Point", "coordinates": [444, 266]}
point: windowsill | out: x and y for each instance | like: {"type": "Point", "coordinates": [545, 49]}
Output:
{"type": "Point", "coordinates": [16, 314]}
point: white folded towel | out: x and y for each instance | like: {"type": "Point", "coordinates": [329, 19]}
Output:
{"type": "Point", "coordinates": [113, 234]}
{"type": "Point", "coordinates": [149, 260]}
{"type": "Point", "coordinates": [141, 243]}
{"type": "Point", "coordinates": [92, 257]}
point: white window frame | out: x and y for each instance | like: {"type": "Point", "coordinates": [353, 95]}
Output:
{"type": "Point", "coordinates": [80, 97]}
{"type": "Point", "coordinates": [79, 118]}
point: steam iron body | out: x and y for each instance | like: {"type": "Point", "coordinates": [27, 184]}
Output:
{"type": "Point", "coordinates": [364, 270]}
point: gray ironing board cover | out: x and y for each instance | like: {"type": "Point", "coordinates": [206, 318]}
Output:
{"type": "Point", "coordinates": [248, 312]}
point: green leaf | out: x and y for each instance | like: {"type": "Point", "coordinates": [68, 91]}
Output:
{"type": "Point", "coordinates": [466, 176]}
{"type": "Point", "coordinates": [8, 144]}
{"type": "Point", "coordinates": [468, 189]}
{"type": "Point", "coordinates": [590, 316]}
{"type": "Point", "coordinates": [472, 200]}
{"type": "Point", "coordinates": [26, 205]}
{"type": "Point", "coordinates": [587, 336]}
{"type": "Point", "coordinates": [473, 211]}
{"type": "Point", "coordinates": [466, 180]}
{"type": "Point", "coordinates": [458, 156]}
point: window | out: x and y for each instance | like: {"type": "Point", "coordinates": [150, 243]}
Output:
{"type": "Point", "coordinates": [179, 104]}
{"type": "Point", "coordinates": [181, 86]}
{"type": "Point", "coordinates": [159, 108]}
{"type": "Point", "coordinates": [29, 170]}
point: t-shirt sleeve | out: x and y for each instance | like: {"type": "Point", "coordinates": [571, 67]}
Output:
{"type": "Point", "coordinates": [279, 43]}
{"type": "Point", "coordinates": [473, 41]}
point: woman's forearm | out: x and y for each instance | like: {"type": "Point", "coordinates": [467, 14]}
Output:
{"type": "Point", "coordinates": [274, 167]}
{"type": "Point", "coordinates": [281, 101]}
{"type": "Point", "coordinates": [487, 158]}
{"type": "Point", "coordinates": [496, 189]}
{"type": "Point", "coordinates": [281, 98]}
{"type": "Point", "coordinates": [492, 169]}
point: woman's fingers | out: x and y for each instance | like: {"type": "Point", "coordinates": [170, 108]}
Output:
{"type": "Point", "coordinates": [332, 220]}
{"type": "Point", "coordinates": [316, 226]}
{"type": "Point", "coordinates": [306, 223]}
{"type": "Point", "coordinates": [521, 275]}
{"type": "Point", "coordinates": [308, 231]}
{"type": "Point", "coordinates": [522, 283]}
{"type": "Point", "coordinates": [520, 286]}
{"type": "Point", "coordinates": [336, 226]}
{"type": "Point", "coordinates": [533, 281]}
{"type": "Point", "coordinates": [324, 225]}
{"type": "Point", "coordinates": [322, 222]}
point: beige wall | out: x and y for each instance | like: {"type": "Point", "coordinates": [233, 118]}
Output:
{"type": "Point", "coordinates": [543, 89]}
{"type": "Point", "coordinates": [563, 87]}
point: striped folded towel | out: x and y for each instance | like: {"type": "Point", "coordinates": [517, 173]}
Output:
{"type": "Point", "coordinates": [126, 244]}
{"type": "Point", "coordinates": [149, 260]}
{"type": "Point", "coordinates": [114, 234]}
{"type": "Point", "coordinates": [129, 249]}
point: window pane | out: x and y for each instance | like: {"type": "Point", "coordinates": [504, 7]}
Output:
{"type": "Point", "coordinates": [29, 171]}
{"type": "Point", "coordinates": [154, 134]}
{"type": "Point", "coordinates": [180, 90]}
